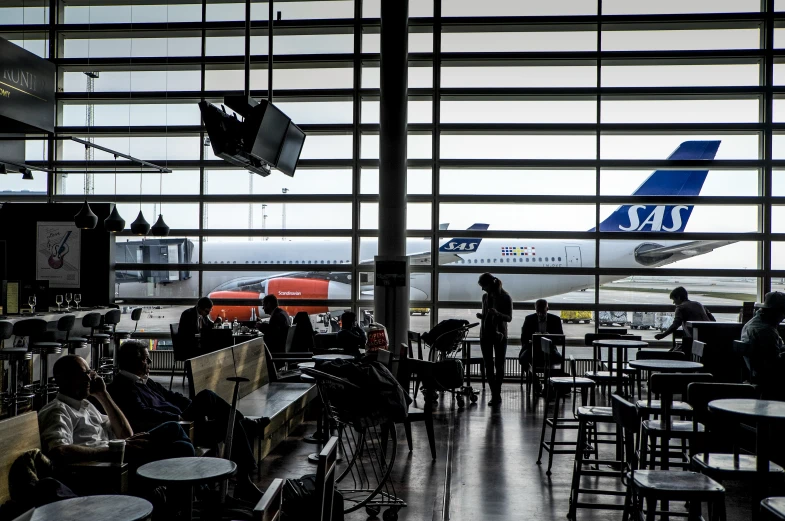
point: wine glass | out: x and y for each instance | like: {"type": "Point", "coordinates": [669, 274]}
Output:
{"type": "Point", "coordinates": [32, 301]}
{"type": "Point", "coordinates": [68, 299]}
{"type": "Point", "coordinates": [77, 299]}
{"type": "Point", "coordinates": [59, 302]}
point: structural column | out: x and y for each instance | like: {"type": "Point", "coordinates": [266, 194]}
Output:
{"type": "Point", "coordinates": [391, 301]}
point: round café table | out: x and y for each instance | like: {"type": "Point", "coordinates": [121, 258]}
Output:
{"type": "Point", "coordinates": [666, 366]}
{"type": "Point", "coordinates": [619, 345]}
{"type": "Point", "coordinates": [185, 473]}
{"type": "Point", "coordinates": [331, 356]}
{"type": "Point", "coordinates": [95, 508]}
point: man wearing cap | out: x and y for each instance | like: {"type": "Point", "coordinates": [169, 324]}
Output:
{"type": "Point", "coordinates": [767, 358]}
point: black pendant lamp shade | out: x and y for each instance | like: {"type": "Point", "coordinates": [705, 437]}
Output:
{"type": "Point", "coordinates": [114, 223]}
{"type": "Point", "coordinates": [160, 228]}
{"type": "Point", "coordinates": [140, 226]}
{"type": "Point", "coordinates": [86, 219]}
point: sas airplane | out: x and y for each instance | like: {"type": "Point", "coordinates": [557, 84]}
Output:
{"type": "Point", "coordinates": [484, 254]}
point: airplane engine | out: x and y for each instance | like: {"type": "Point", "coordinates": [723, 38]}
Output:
{"type": "Point", "coordinates": [232, 311]}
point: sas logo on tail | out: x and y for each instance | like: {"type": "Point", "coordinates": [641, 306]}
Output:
{"type": "Point", "coordinates": [671, 215]}
{"type": "Point", "coordinates": [460, 246]}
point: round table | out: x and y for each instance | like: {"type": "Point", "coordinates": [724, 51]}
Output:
{"type": "Point", "coordinates": [307, 365]}
{"type": "Point", "coordinates": [187, 472]}
{"type": "Point", "coordinates": [620, 345]}
{"type": "Point", "coordinates": [330, 357]}
{"type": "Point", "coordinates": [666, 366]}
{"type": "Point", "coordinates": [95, 508]}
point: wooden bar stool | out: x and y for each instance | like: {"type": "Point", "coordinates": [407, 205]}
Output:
{"type": "Point", "coordinates": [665, 486]}
{"type": "Point", "coordinates": [559, 387]}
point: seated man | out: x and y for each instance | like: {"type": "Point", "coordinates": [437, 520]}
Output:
{"type": "Point", "coordinates": [195, 320]}
{"type": "Point", "coordinates": [73, 430]}
{"type": "Point", "coordinates": [147, 403]}
{"type": "Point", "coordinates": [351, 338]}
{"type": "Point", "coordinates": [277, 328]}
{"type": "Point", "coordinates": [538, 322]}
{"type": "Point", "coordinates": [768, 352]}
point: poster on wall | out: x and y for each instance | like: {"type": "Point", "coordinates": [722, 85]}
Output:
{"type": "Point", "coordinates": [58, 255]}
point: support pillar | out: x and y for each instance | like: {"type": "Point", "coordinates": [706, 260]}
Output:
{"type": "Point", "coordinates": [391, 302]}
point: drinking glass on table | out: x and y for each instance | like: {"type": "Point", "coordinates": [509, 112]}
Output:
{"type": "Point", "coordinates": [68, 299]}
{"type": "Point", "coordinates": [31, 300]}
{"type": "Point", "coordinates": [59, 301]}
{"type": "Point", "coordinates": [78, 299]}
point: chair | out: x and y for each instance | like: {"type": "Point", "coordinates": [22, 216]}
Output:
{"type": "Point", "coordinates": [65, 324]}
{"type": "Point", "coordinates": [97, 341]}
{"type": "Point", "coordinates": [744, 351]}
{"type": "Point", "coordinates": [660, 485]}
{"type": "Point", "coordinates": [712, 457]}
{"type": "Point", "coordinates": [13, 396]}
{"type": "Point", "coordinates": [697, 351]}
{"type": "Point", "coordinates": [177, 352]}
{"type": "Point", "coordinates": [325, 478]}
{"type": "Point", "coordinates": [537, 365]}
{"type": "Point", "coordinates": [415, 338]}
{"type": "Point", "coordinates": [424, 370]}
{"type": "Point", "coordinates": [665, 428]}
{"type": "Point", "coordinates": [136, 314]}
{"type": "Point", "coordinates": [111, 320]}
{"type": "Point", "coordinates": [559, 386]}
{"type": "Point", "coordinates": [35, 330]}
{"type": "Point", "coordinates": [649, 406]}
{"type": "Point", "coordinates": [269, 508]}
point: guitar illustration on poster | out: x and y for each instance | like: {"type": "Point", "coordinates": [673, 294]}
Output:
{"type": "Point", "coordinates": [58, 254]}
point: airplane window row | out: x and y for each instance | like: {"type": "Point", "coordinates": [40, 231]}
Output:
{"type": "Point", "coordinates": [514, 259]}
{"type": "Point", "coordinates": [282, 262]}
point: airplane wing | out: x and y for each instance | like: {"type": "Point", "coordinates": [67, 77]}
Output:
{"type": "Point", "coordinates": [685, 249]}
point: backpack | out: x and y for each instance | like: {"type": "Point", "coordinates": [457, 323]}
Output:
{"type": "Point", "coordinates": [301, 504]}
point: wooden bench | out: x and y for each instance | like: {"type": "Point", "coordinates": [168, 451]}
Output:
{"type": "Point", "coordinates": [283, 403]}
{"type": "Point", "coordinates": [20, 434]}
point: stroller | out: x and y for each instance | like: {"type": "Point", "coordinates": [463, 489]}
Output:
{"type": "Point", "coordinates": [446, 342]}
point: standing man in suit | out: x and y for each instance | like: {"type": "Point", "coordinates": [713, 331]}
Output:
{"type": "Point", "coordinates": [538, 322]}
{"type": "Point", "coordinates": [277, 328]}
{"type": "Point", "coordinates": [195, 320]}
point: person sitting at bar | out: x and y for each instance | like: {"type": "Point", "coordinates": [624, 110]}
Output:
{"type": "Point", "coordinates": [351, 338]}
{"type": "Point", "coordinates": [538, 322]}
{"type": "Point", "coordinates": [767, 358]}
{"type": "Point", "coordinates": [73, 430]}
{"type": "Point", "coordinates": [277, 328]}
{"type": "Point", "coordinates": [147, 404]}
{"type": "Point", "coordinates": [195, 320]}
{"type": "Point", "coordinates": [686, 311]}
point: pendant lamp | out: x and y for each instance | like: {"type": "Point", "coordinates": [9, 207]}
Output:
{"type": "Point", "coordinates": [114, 223]}
{"type": "Point", "coordinates": [85, 219]}
{"type": "Point", "coordinates": [160, 228]}
{"type": "Point", "coordinates": [140, 226]}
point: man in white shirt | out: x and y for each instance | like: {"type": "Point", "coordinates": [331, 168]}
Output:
{"type": "Point", "coordinates": [72, 428]}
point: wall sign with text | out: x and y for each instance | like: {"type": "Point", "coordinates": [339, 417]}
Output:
{"type": "Point", "coordinates": [27, 92]}
{"type": "Point", "coordinates": [58, 254]}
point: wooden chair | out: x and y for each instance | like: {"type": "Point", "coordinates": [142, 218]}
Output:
{"type": "Point", "coordinates": [660, 485]}
{"type": "Point", "coordinates": [325, 478]}
{"type": "Point", "coordinates": [177, 352]}
{"type": "Point", "coordinates": [269, 508]}
{"type": "Point", "coordinates": [559, 386]}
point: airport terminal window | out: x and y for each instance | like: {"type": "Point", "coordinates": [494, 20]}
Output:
{"type": "Point", "coordinates": [515, 160]}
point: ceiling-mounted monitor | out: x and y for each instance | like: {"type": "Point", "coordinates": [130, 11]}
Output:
{"type": "Point", "coordinates": [264, 138]}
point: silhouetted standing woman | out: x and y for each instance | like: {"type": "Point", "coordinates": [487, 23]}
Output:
{"type": "Point", "coordinates": [496, 313]}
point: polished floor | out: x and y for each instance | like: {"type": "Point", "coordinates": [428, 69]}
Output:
{"type": "Point", "coordinates": [490, 474]}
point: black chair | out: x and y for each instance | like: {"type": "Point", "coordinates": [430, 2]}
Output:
{"type": "Point", "coordinates": [558, 385]}
{"type": "Point", "coordinates": [697, 351]}
{"type": "Point", "coordinates": [136, 314]}
{"type": "Point", "coordinates": [537, 365]}
{"type": "Point", "coordinates": [97, 341]}
{"type": "Point", "coordinates": [661, 485]}
{"type": "Point", "coordinates": [15, 395]}
{"type": "Point", "coordinates": [325, 478]}
{"type": "Point", "coordinates": [424, 370]}
{"type": "Point", "coordinates": [744, 351]}
{"type": "Point", "coordinates": [270, 507]}
{"type": "Point", "coordinates": [718, 455]}
{"type": "Point", "coordinates": [415, 338]}
{"type": "Point", "coordinates": [34, 329]}
{"type": "Point", "coordinates": [666, 428]}
{"type": "Point", "coordinates": [178, 353]}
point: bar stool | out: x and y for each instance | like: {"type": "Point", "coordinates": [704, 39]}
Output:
{"type": "Point", "coordinates": [136, 314]}
{"type": "Point", "coordinates": [96, 341]}
{"type": "Point", "coordinates": [559, 387]}
{"type": "Point", "coordinates": [35, 331]}
{"type": "Point", "coordinates": [14, 395]}
{"type": "Point", "coordinates": [71, 343]}
{"type": "Point", "coordinates": [111, 319]}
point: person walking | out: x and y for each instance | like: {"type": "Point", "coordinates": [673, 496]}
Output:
{"type": "Point", "coordinates": [496, 313]}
